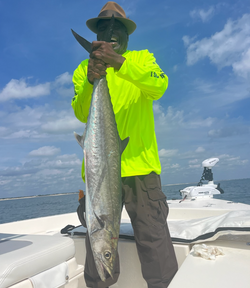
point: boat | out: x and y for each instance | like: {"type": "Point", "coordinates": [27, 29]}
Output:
{"type": "Point", "coordinates": [211, 239]}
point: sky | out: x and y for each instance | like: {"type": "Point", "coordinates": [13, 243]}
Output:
{"type": "Point", "coordinates": [202, 46]}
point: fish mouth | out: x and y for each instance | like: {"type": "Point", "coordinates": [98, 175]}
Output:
{"type": "Point", "coordinates": [101, 267]}
{"type": "Point", "coordinates": [101, 271]}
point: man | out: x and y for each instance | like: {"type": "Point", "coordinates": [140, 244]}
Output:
{"type": "Point", "coordinates": [135, 81]}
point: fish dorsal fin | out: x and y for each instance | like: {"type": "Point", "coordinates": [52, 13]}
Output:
{"type": "Point", "coordinates": [109, 29]}
{"type": "Point", "coordinates": [80, 139]}
{"type": "Point", "coordinates": [123, 144]}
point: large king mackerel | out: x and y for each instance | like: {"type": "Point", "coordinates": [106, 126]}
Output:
{"type": "Point", "coordinates": [102, 150]}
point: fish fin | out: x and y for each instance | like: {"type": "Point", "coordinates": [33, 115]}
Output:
{"type": "Point", "coordinates": [123, 144]}
{"type": "Point", "coordinates": [100, 220]}
{"type": "Point", "coordinates": [109, 29]}
{"type": "Point", "coordinates": [80, 139]}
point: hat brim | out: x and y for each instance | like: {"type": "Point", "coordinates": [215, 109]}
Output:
{"type": "Point", "coordinates": [129, 24]}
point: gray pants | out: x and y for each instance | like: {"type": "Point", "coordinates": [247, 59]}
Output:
{"type": "Point", "coordinates": [147, 208]}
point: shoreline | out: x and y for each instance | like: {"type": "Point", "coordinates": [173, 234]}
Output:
{"type": "Point", "coordinates": [35, 196]}
{"type": "Point", "coordinates": [69, 193]}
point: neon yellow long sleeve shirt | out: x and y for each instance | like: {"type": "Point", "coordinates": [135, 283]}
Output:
{"type": "Point", "coordinates": [132, 89]}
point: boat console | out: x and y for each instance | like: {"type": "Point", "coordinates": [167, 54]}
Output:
{"type": "Point", "coordinates": [203, 190]}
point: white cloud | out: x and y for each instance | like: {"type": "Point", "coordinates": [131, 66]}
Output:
{"type": "Point", "coordinates": [166, 119]}
{"type": "Point", "coordinates": [4, 182]}
{"type": "Point", "coordinates": [195, 166]}
{"type": "Point", "coordinates": [49, 172]}
{"type": "Point", "coordinates": [45, 151]}
{"type": "Point", "coordinates": [229, 47]}
{"type": "Point", "coordinates": [25, 117]}
{"type": "Point", "coordinates": [242, 67]}
{"type": "Point", "coordinates": [22, 134]}
{"type": "Point", "coordinates": [204, 15]}
{"type": "Point", "coordinates": [61, 173]}
{"type": "Point", "coordinates": [229, 130]}
{"type": "Point", "coordinates": [175, 166]}
{"type": "Point", "coordinates": [63, 85]}
{"type": "Point", "coordinates": [63, 124]}
{"type": "Point", "coordinates": [167, 153]}
{"type": "Point", "coordinates": [39, 123]}
{"type": "Point", "coordinates": [193, 161]}
{"type": "Point", "coordinates": [20, 89]}
{"type": "Point", "coordinates": [223, 156]}
{"type": "Point", "coordinates": [63, 79]}
{"type": "Point", "coordinates": [214, 94]}
{"type": "Point", "coordinates": [62, 162]}
{"type": "Point", "coordinates": [31, 167]}
{"type": "Point", "coordinates": [207, 122]}
{"type": "Point", "coordinates": [200, 150]}
{"type": "Point", "coordinates": [175, 68]}
{"type": "Point", "coordinates": [173, 118]}
{"type": "Point", "coordinates": [3, 131]}
{"type": "Point", "coordinates": [188, 40]}
{"type": "Point", "coordinates": [232, 160]}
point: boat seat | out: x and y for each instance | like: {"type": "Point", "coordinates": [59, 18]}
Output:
{"type": "Point", "coordinates": [36, 258]}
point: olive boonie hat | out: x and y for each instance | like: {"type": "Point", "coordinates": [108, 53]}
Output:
{"type": "Point", "coordinates": [109, 9]}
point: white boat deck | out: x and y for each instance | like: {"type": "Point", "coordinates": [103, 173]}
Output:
{"type": "Point", "coordinates": [200, 208]}
{"type": "Point", "coordinates": [230, 270]}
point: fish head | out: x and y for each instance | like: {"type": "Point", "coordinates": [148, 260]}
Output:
{"type": "Point", "coordinates": [104, 248]}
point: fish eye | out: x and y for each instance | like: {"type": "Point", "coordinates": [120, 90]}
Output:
{"type": "Point", "coordinates": [107, 255]}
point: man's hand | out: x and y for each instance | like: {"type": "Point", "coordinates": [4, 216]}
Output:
{"type": "Point", "coordinates": [96, 69]}
{"type": "Point", "coordinates": [103, 56]}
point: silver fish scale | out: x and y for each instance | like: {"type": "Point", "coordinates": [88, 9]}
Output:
{"type": "Point", "coordinates": [102, 158]}
{"type": "Point", "coordinates": [101, 148]}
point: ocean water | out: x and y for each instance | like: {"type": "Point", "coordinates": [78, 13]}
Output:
{"type": "Point", "coordinates": [41, 206]}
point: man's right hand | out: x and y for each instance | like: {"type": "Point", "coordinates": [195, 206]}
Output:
{"type": "Point", "coordinates": [103, 51]}
{"type": "Point", "coordinates": [96, 69]}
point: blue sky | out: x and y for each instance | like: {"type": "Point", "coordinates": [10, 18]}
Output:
{"type": "Point", "coordinates": [203, 47]}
